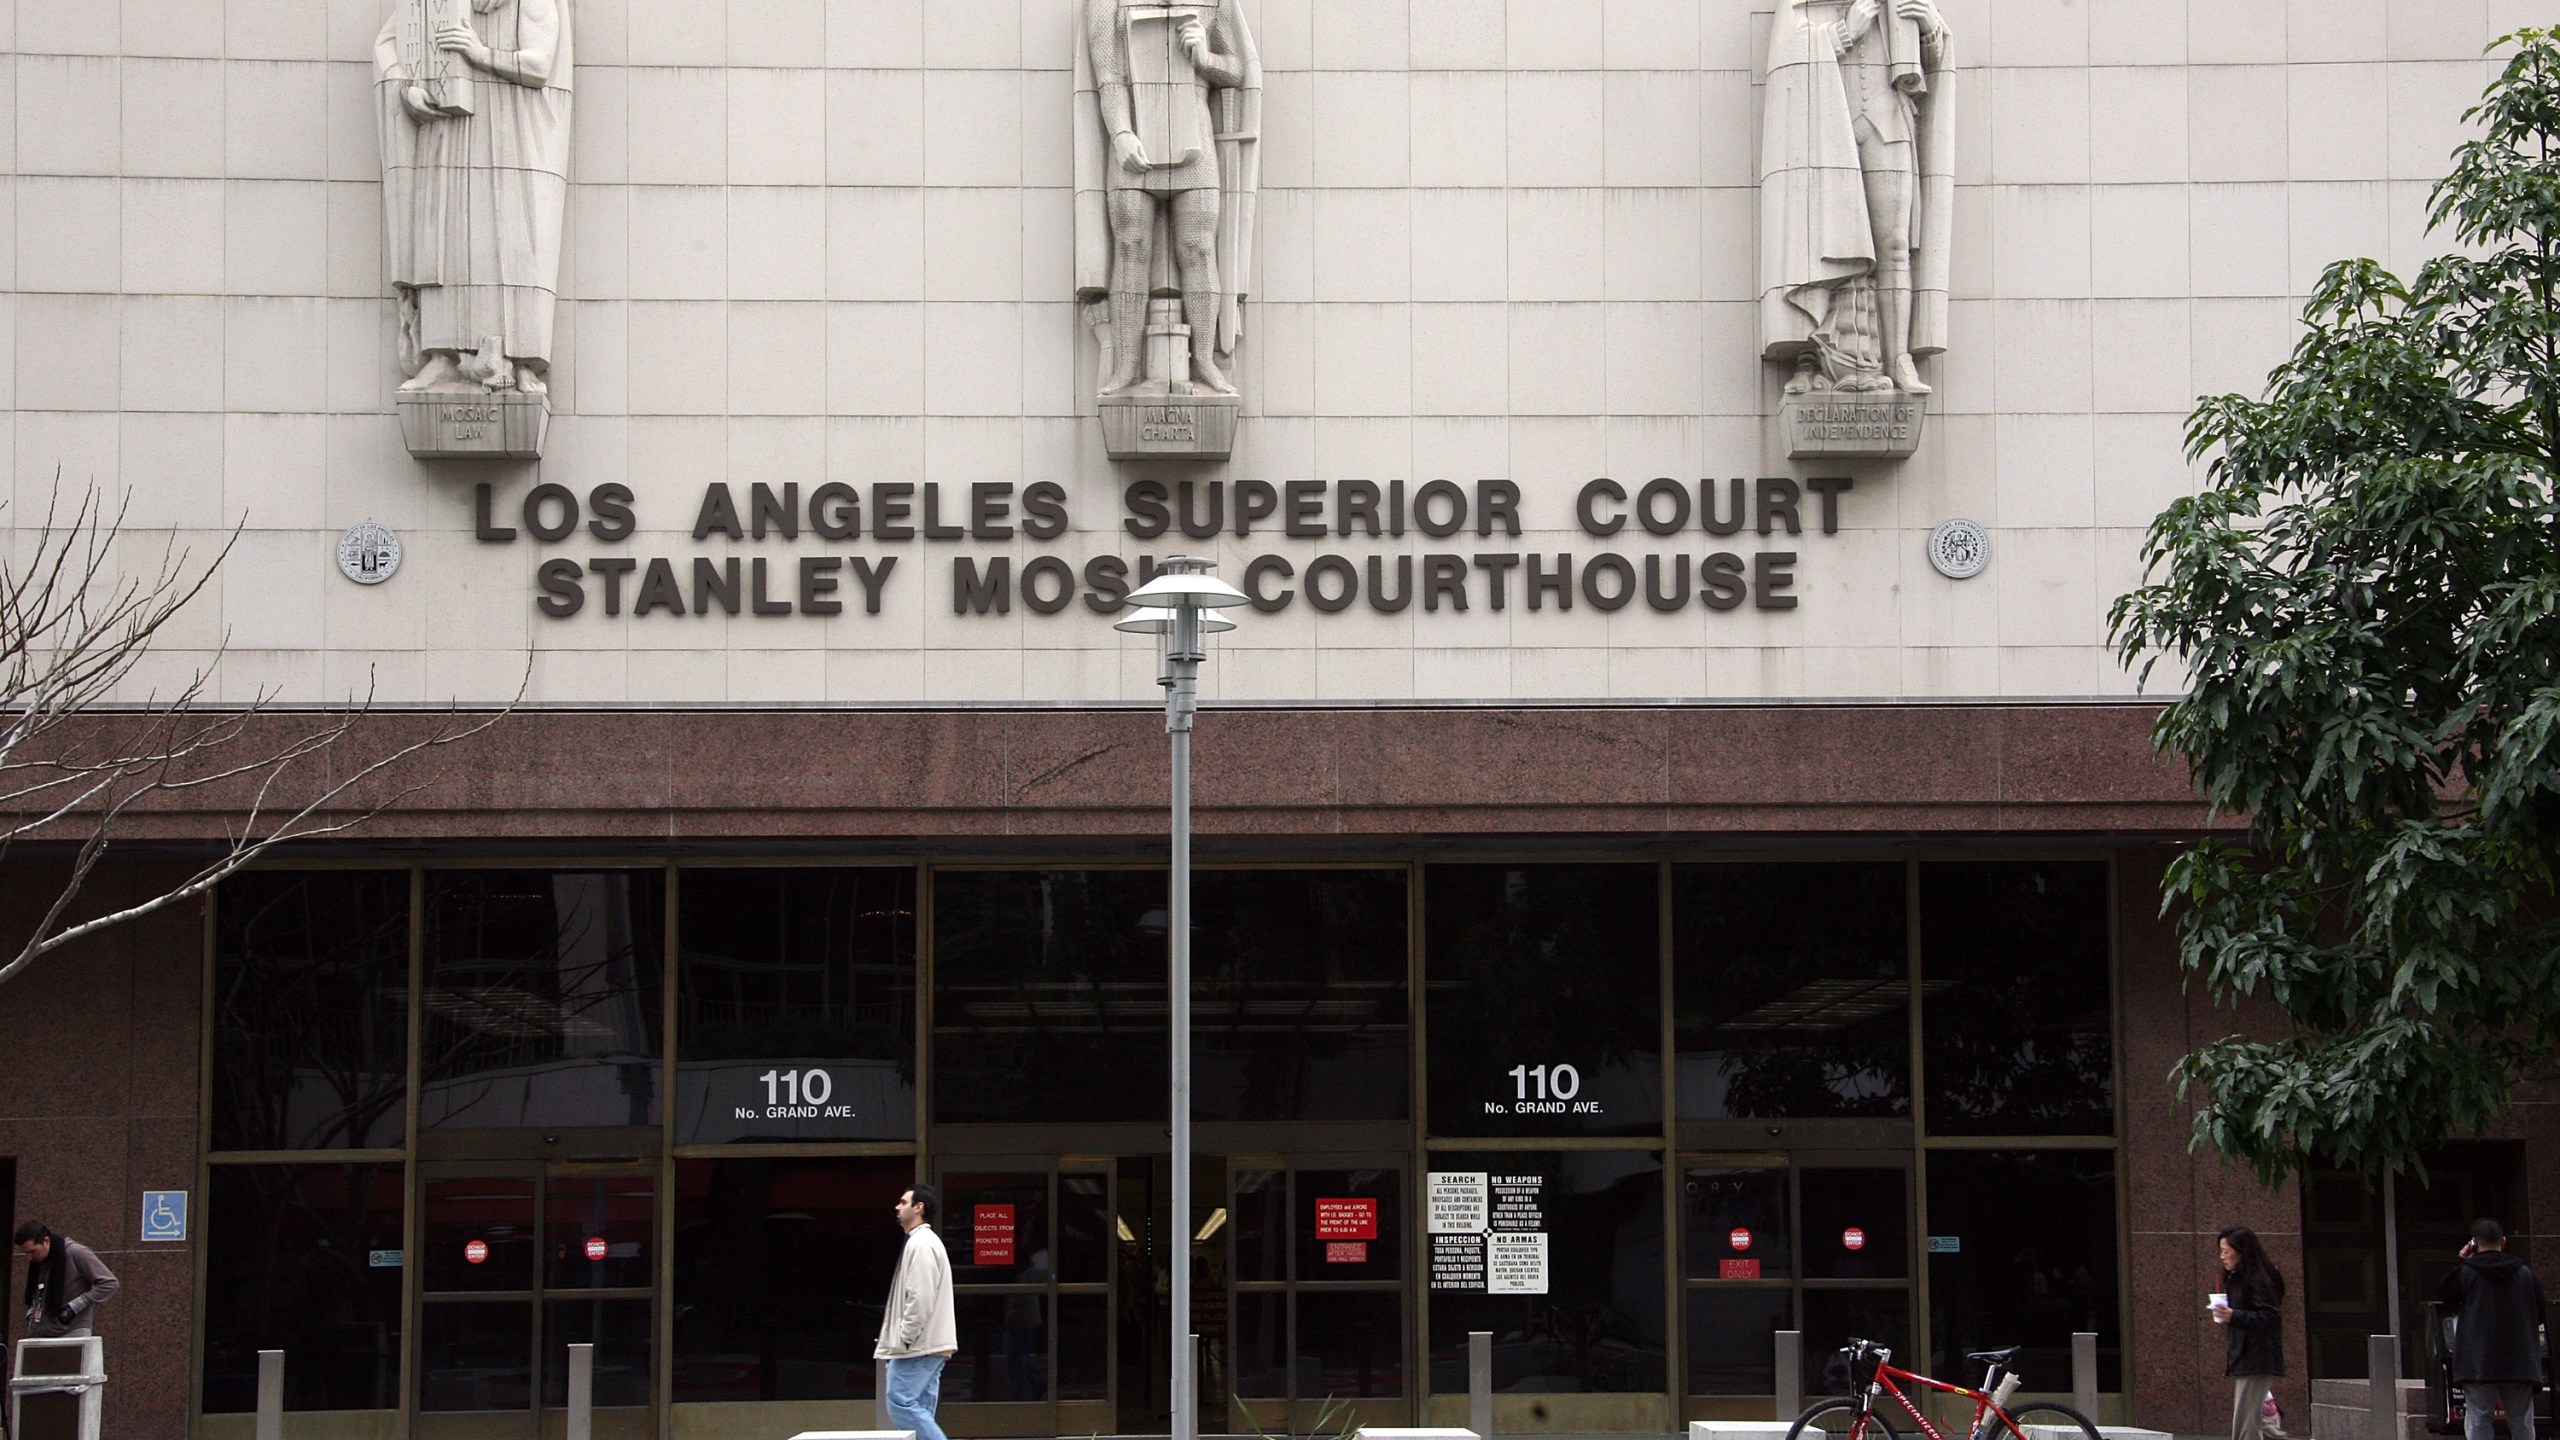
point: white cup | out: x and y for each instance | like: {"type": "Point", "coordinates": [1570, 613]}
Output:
{"type": "Point", "coordinates": [2217, 1301]}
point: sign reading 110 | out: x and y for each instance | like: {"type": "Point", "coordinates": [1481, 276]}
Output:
{"type": "Point", "coordinates": [798, 1095]}
{"type": "Point", "coordinates": [1546, 1090]}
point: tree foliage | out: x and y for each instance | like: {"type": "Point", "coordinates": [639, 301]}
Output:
{"type": "Point", "coordinates": [2364, 598]}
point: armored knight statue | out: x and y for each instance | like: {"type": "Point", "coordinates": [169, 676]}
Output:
{"type": "Point", "coordinates": [1169, 100]}
{"type": "Point", "coordinates": [473, 107]}
{"type": "Point", "coordinates": [1856, 195]}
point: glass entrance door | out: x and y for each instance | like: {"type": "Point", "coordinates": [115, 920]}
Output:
{"type": "Point", "coordinates": [1142, 1291]}
{"type": "Point", "coordinates": [518, 1261]}
{"type": "Point", "coordinates": [1819, 1243]}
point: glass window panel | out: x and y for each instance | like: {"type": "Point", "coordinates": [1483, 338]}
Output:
{"type": "Point", "coordinates": [1735, 1224]}
{"type": "Point", "coordinates": [1084, 1227]}
{"type": "Point", "coordinates": [619, 1329]}
{"type": "Point", "coordinates": [1261, 1229]}
{"type": "Point", "coordinates": [1262, 1344]}
{"type": "Point", "coordinates": [2035, 1258]}
{"type": "Point", "coordinates": [1004, 1347]}
{"type": "Point", "coordinates": [1857, 1223]}
{"type": "Point", "coordinates": [1298, 995]}
{"type": "Point", "coordinates": [491, 1219]}
{"type": "Point", "coordinates": [1600, 1326]}
{"type": "Point", "coordinates": [1350, 1224]}
{"type": "Point", "coordinates": [290, 1264]}
{"type": "Point", "coordinates": [618, 1210]}
{"type": "Point", "coordinates": [781, 1269]}
{"type": "Point", "coordinates": [311, 1004]}
{"type": "Point", "coordinates": [997, 1228]}
{"type": "Point", "coordinates": [807, 975]}
{"type": "Point", "coordinates": [1791, 990]}
{"type": "Point", "coordinates": [1832, 1318]}
{"type": "Point", "coordinates": [475, 1355]}
{"type": "Point", "coordinates": [543, 998]}
{"type": "Point", "coordinates": [1049, 995]}
{"type": "Point", "coordinates": [2018, 1034]}
{"type": "Point", "coordinates": [1545, 994]}
{"type": "Point", "coordinates": [1733, 1339]}
{"type": "Point", "coordinates": [1084, 1347]}
{"type": "Point", "coordinates": [1350, 1343]}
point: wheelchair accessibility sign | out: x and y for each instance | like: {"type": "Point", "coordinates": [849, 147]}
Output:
{"type": "Point", "coordinates": [164, 1215]}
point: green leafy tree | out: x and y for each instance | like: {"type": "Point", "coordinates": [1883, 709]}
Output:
{"type": "Point", "coordinates": [2364, 599]}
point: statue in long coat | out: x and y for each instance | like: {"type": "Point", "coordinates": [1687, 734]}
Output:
{"type": "Point", "coordinates": [1857, 189]}
{"type": "Point", "coordinates": [472, 101]}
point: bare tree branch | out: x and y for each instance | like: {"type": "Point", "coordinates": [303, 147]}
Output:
{"type": "Point", "coordinates": [76, 626]}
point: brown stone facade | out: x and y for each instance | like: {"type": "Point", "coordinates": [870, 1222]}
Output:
{"type": "Point", "coordinates": [100, 1050]}
{"type": "Point", "coordinates": [100, 1047]}
{"type": "Point", "coordinates": [1653, 770]}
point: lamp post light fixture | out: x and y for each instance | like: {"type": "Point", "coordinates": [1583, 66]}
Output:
{"type": "Point", "coordinates": [1176, 606]}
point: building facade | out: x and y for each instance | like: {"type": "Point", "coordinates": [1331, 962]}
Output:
{"type": "Point", "coordinates": [1679, 859]}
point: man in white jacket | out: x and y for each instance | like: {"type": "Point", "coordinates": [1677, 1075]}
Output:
{"type": "Point", "coordinates": [916, 1335]}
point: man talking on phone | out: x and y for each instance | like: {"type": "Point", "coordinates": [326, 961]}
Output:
{"type": "Point", "coordinates": [2497, 1343]}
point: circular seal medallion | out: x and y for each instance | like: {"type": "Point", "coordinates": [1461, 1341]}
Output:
{"type": "Point", "coordinates": [368, 553]}
{"type": "Point", "coordinates": [1960, 549]}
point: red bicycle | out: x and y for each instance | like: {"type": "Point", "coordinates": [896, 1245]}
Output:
{"type": "Point", "coordinates": [1874, 1379]}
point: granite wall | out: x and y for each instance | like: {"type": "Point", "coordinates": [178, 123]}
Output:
{"type": "Point", "coordinates": [99, 1058]}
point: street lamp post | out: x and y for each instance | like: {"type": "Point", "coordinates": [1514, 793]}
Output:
{"type": "Point", "coordinates": [1175, 605]}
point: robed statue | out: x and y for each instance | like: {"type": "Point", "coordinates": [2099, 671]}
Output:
{"type": "Point", "coordinates": [472, 99]}
{"type": "Point", "coordinates": [1857, 187]}
{"type": "Point", "coordinates": [1169, 118]}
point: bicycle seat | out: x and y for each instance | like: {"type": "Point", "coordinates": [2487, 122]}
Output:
{"type": "Point", "coordinates": [1995, 1357]}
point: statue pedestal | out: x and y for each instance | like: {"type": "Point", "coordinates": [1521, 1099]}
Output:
{"type": "Point", "coordinates": [1875, 425]}
{"type": "Point", "coordinates": [1169, 427]}
{"type": "Point", "coordinates": [454, 425]}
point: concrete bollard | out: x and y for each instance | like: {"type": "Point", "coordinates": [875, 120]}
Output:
{"type": "Point", "coordinates": [1480, 1383]}
{"type": "Point", "coordinates": [582, 1392]}
{"type": "Point", "coordinates": [1790, 1346]}
{"type": "Point", "coordinates": [270, 1395]}
{"type": "Point", "coordinates": [880, 1395]}
{"type": "Point", "coordinates": [2084, 1373]}
{"type": "Point", "coordinates": [2382, 1363]}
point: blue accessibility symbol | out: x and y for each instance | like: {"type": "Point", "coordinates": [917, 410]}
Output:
{"type": "Point", "coordinates": [164, 1215]}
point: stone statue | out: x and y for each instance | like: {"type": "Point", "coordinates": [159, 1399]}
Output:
{"type": "Point", "coordinates": [473, 104]}
{"type": "Point", "coordinates": [1856, 195]}
{"type": "Point", "coordinates": [1169, 111]}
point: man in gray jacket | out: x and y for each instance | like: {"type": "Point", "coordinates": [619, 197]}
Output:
{"type": "Point", "coordinates": [66, 1282]}
{"type": "Point", "coordinates": [917, 1335]}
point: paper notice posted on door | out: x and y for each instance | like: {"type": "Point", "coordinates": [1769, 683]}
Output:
{"type": "Point", "coordinates": [1457, 1202]}
{"type": "Point", "coordinates": [1516, 1263]}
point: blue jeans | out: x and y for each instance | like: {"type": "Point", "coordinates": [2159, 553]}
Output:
{"type": "Point", "coordinates": [2480, 1411]}
{"type": "Point", "coordinates": [915, 1392]}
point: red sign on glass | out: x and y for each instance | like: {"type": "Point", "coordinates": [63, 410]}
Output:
{"type": "Point", "coordinates": [1737, 1269]}
{"type": "Point", "coordinates": [476, 1252]}
{"type": "Point", "coordinates": [1740, 1239]}
{"type": "Point", "coordinates": [1853, 1238]}
{"type": "Point", "coordinates": [596, 1248]}
{"type": "Point", "coordinates": [1347, 1219]}
{"type": "Point", "coordinates": [991, 1235]}
{"type": "Point", "coordinates": [1346, 1252]}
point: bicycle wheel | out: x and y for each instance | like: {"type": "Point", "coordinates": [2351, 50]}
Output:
{"type": "Point", "coordinates": [1841, 1419]}
{"type": "Point", "coordinates": [2057, 1417]}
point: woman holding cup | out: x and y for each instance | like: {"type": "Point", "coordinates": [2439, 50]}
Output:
{"type": "Point", "coordinates": [2248, 1305]}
